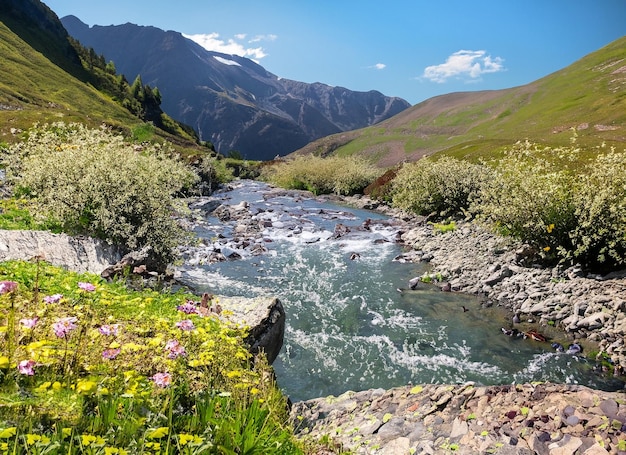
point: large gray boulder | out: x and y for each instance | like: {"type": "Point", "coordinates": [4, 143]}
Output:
{"type": "Point", "coordinates": [79, 254]}
{"type": "Point", "coordinates": [265, 319]}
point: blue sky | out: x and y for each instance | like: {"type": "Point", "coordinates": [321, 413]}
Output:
{"type": "Point", "coordinates": [411, 49]}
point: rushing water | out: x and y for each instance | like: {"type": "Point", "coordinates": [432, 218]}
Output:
{"type": "Point", "coordinates": [352, 323]}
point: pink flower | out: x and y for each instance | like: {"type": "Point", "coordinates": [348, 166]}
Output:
{"type": "Point", "coordinates": [111, 353]}
{"type": "Point", "coordinates": [29, 323]}
{"type": "Point", "coordinates": [64, 326]}
{"type": "Point", "coordinates": [188, 307]}
{"type": "Point", "coordinates": [56, 298]}
{"type": "Point", "coordinates": [185, 324]}
{"type": "Point", "coordinates": [26, 367]}
{"type": "Point", "coordinates": [7, 286]}
{"type": "Point", "coordinates": [86, 286]}
{"type": "Point", "coordinates": [110, 330]}
{"type": "Point", "coordinates": [175, 349]}
{"type": "Point", "coordinates": [162, 379]}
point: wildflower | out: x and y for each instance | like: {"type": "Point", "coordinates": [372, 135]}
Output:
{"type": "Point", "coordinates": [162, 379]}
{"type": "Point", "coordinates": [86, 386]}
{"type": "Point", "coordinates": [175, 349]}
{"type": "Point", "coordinates": [111, 354]}
{"type": "Point", "coordinates": [8, 432]}
{"type": "Point", "coordinates": [29, 323]}
{"type": "Point", "coordinates": [55, 298]}
{"type": "Point", "coordinates": [185, 324]}
{"type": "Point", "coordinates": [189, 307]}
{"type": "Point", "coordinates": [88, 287]}
{"type": "Point", "coordinates": [7, 286]}
{"type": "Point", "coordinates": [34, 438]}
{"type": "Point", "coordinates": [64, 326]}
{"type": "Point", "coordinates": [109, 329]}
{"type": "Point", "coordinates": [26, 367]}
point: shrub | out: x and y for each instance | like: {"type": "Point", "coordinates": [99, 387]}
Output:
{"type": "Point", "coordinates": [334, 174]}
{"type": "Point", "coordinates": [599, 234]}
{"type": "Point", "coordinates": [91, 182]}
{"type": "Point", "coordinates": [444, 187]}
{"type": "Point", "coordinates": [530, 196]}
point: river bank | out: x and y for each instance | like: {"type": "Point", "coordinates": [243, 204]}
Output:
{"type": "Point", "coordinates": [516, 419]}
{"type": "Point", "coordinates": [580, 308]}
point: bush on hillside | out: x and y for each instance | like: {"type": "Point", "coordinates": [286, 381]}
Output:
{"type": "Point", "coordinates": [599, 234]}
{"type": "Point", "coordinates": [92, 182]}
{"type": "Point", "coordinates": [444, 187]}
{"type": "Point", "coordinates": [530, 197]}
{"type": "Point", "coordinates": [334, 174]}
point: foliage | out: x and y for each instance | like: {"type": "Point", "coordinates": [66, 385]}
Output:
{"type": "Point", "coordinates": [15, 214]}
{"type": "Point", "coordinates": [599, 234]}
{"type": "Point", "coordinates": [443, 187]}
{"type": "Point", "coordinates": [102, 186]}
{"type": "Point", "coordinates": [569, 207]}
{"type": "Point", "coordinates": [91, 367]}
{"type": "Point", "coordinates": [530, 196]}
{"type": "Point", "coordinates": [338, 175]}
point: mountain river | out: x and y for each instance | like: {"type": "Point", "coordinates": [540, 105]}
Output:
{"type": "Point", "coordinates": [352, 321]}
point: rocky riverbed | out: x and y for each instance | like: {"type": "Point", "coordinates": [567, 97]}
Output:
{"type": "Point", "coordinates": [513, 419]}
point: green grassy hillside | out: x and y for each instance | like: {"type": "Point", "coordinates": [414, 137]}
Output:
{"type": "Point", "coordinates": [33, 89]}
{"type": "Point", "coordinates": [41, 83]}
{"type": "Point", "coordinates": [589, 95]}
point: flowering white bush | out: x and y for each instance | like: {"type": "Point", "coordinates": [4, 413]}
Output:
{"type": "Point", "coordinates": [445, 186]}
{"type": "Point", "coordinates": [92, 182]}
{"type": "Point", "coordinates": [530, 196]}
{"type": "Point", "coordinates": [599, 235]}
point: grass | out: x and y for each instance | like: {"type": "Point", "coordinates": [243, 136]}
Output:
{"type": "Point", "coordinates": [478, 125]}
{"type": "Point", "coordinates": [93, 367]}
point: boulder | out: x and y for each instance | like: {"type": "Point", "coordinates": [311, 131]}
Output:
{"type": "Point", "coordinates": [265, 319]}
{"type": "Point", "coordinates": [79, 254]}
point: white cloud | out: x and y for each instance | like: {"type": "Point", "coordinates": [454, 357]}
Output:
{"type": "Point", "coordinates": [260, 38]}
{"type": "Point", "coordinates": [213, 42]}
{"type": "Point", "coordinates": [379, 66]}
{"type": "Point", "coordinates": [464, 64]}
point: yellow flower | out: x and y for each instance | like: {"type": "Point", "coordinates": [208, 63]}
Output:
{"type": "Point", "coordinates": [89, 439]}
{"type": "Point", "coordinates": [34, 438]}
{"type": "Point", "coordinates": [158, 433]}
{"type": "Point", "coordinates": [86, 386]}
{"type": "Point", "coordinates": [549, 228]}
{"type": "Point", "coordinates": [233, 374]}
{"type": "Point", "coordinates": [114, 450]}
{"type": "Point", "coordinates": [66, 432]}
{"type": "Point", "coordinates": [43, 387]}
{"type": "Point", "coordinates": [547, 248]}
{"type": "Point", "coordinates": [183, 438]}
{"type": "Point", "coordinates": [8, 433]}
{"type": "Point", "coordinates": [4, 362]}
{"type": "Point", "coordinates": [56, 385]}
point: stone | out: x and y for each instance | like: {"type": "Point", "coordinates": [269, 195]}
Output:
{"type": "Point", "coordinates": [265, 318]}
{"type": "Point", "coordinates": [78, 254]}
{"type": "Point", "coordinates": [398, 446]}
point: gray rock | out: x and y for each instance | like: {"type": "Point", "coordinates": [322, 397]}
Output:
{"type": "Point", "coordinates": [79, 254]}
{"type": "Point", "coordinates": [265, 317]}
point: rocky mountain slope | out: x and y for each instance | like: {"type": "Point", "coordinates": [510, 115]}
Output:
{"type": "Point", "coordinates": [232, 101]}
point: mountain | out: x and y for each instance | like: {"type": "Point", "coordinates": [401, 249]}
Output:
{"type": "Point", "coordinates": [231, 101]}
{"type": "Point", "coordinates": [588, 96]}
{"type": "Point", "coordinates": [44, 80]}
